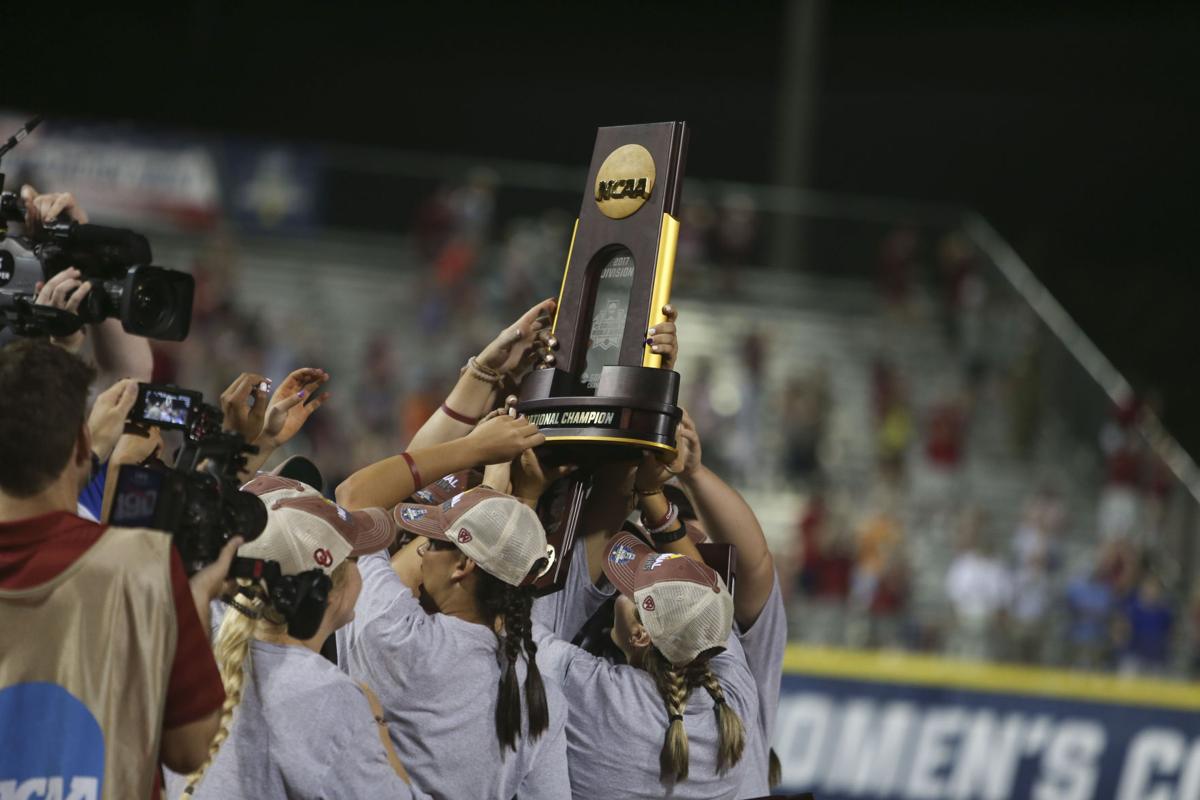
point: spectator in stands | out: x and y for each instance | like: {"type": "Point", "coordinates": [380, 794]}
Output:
{"type": "Point", "coordinates": [1119, 509]}
{"type": "Point", "coordinates": [879, 545]}
{"type": "Point", "coordinates": [893, 419]}
{"type": "Point", "coordinates": [1036, 558]}
{"type": "Point", "coordinates": [805, 416]}
{"type": "Point", "coordinates": [1146, 632]}
{"type": "Point", "coordinates": [1091, 603]}
{"type": "Point", "coordinates": [979, 588]}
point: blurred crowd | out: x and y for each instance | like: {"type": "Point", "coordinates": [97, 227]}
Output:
{"type": "Point", "coordinates": [1074, 574]}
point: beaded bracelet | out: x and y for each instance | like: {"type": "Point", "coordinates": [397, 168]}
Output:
{"type": "Point", "coordinates": [661, 527]}
{"type": "Point", "coordinates": [482, 373]}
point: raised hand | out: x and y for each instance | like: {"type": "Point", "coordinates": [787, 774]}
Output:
{"type": "Point", "coordinates": [65, 290]}
{"type": "Point", "coordinates": [509, 353]}
{"type": "Point", "coordinates": [240, 415]}
{"type": "Point", "coordinates": [530, 478]}
{"type": "Point", "coordinates": [107, 419]}
{"type": "Point", "coordinates": [503, 438]}
{"type": "Point", "coordinates": [288, 411]}
{"type": "Point", "coordinates": [662, 339]}
{"type": "Point", "coordinates": [42, 208]}
{"type": "Point", "coordinates": [686, 432]}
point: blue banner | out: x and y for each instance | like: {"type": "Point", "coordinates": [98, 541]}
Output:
{"type": "Point", "coordinates": [855, 725]}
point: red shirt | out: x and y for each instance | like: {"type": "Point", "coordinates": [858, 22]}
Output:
{"type": "Point", "coordinates": [34, 550]}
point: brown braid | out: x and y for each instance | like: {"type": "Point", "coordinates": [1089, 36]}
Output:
{"type": "Point", "coordinates": [512, 606]}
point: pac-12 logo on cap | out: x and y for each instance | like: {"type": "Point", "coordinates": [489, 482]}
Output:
{"type": "Point", "coordinates": [648, 603]}
{"type": "Point", "coordinates": [659, 560]}
{"type": "Point", "coordinates": [464, 536]}
{"type": "Point", "coordinates": [322, 556]}
{"type": "Point", "coordinates": [620, 554]}
{"type": "Point", "coordinates": [412, 514]}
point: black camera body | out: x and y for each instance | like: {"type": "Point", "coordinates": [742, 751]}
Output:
{"type": "Point", "coordinates": [150, 301]}
{"type": "Point", "coordinates": [198, 500]}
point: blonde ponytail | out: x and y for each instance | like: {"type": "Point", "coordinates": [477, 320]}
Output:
{"type": "Point", "coordinates": [675, 684]}
{"type": "Point", "coordinates": [232, 652]}
{"type": "Point", "coordinates": [253, 617]}
{"type": "Point", "coordinates": [732, 733]}
{"type": "Point", "coordinates": [673, 758]}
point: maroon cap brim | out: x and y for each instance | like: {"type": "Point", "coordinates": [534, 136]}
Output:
{"type": "Point", "coordinates": [621, 557]}
{"type": "Point", "coordinates": [422, 520]}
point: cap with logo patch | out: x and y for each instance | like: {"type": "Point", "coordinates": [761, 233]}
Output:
{"type": "Point", "coordinates": [500, 533]}
{"type": "Point", "coordinates": [684, 604]}
{"type": "Point", "coordinates": [306, 531]}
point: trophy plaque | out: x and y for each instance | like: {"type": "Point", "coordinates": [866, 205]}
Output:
{"type": "Point", "coordinates": [607, 393]}
{"type": "Point", "coordinates": [607, 397]}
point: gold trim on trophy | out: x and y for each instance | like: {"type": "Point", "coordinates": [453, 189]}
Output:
{"type": "Point", "coordinates": [664, 270]}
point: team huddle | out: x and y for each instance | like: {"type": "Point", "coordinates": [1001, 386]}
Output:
{"type": "Point", "coordinates": [643, 677]}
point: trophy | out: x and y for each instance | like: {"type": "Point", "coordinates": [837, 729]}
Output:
{"type": "Point", "coordinates": [607, 396]}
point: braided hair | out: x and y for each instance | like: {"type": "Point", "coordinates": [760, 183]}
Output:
{"type": "Point", "coordinates": [675, 684]}
{"type": "Point", "coordinates": [252, 613]}
{"type": "Point", "coordinates": [511, 605]}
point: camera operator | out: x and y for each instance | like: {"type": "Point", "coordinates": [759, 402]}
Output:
{"type": "Point", "coordinates": [116, 354]}
{"type": "Point", "coordinates": [120, 672]}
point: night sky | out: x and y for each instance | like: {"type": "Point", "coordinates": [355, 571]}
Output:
{"type": "Point", "coordinates": [1073, 129]}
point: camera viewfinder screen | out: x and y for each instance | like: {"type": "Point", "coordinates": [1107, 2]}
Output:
{"type": "Point", "coordinates": [167, 408]}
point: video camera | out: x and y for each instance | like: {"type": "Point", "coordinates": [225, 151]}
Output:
{"type": "Point", "coordinates": [197, 501]}
{"type": "Point", "coordinates": [150, 301]}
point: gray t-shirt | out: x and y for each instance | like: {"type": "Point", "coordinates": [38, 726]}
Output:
{"type": "Point", "coordinates": [764, 644]}
{"type": "Point", "coordinates": [437, 678]}
{"type": "Point", "coordinates": [566, 611]}
{"type": "Point", "coordinates": [618, 721]}
{"type": "Point", "coordinates": [301, 730]}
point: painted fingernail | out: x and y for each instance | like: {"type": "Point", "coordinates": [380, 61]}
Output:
{"type": "Point", "coordinates": [655, 349]}
{"type": "Point", "coordinates": [651, 331]}
{"type": "Point", "coordinates": [302, 393]}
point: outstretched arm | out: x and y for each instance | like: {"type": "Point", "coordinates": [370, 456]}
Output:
{"type": "Point", "coordinates": [509, 355]}
{"type": "Point", "coordinates": [728, 519]}
{"type": "Point", "coordinates": [388, 482]}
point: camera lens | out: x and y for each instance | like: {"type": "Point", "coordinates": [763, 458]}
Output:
{"type": "Point", "coordinates": [150, 306]}
{"type": "Point", "coordinates": [157, 303]}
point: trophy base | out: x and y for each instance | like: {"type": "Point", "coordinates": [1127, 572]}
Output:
{"type": "Point", "coordinates": [633, 408]}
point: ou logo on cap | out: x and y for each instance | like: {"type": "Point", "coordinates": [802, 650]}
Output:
{"type": "Point", "coordinates": [464, 536]}
{"type": "Point", "coordinates": [323, 556]}
{"type": "Point", "coordinates": [648, 603]}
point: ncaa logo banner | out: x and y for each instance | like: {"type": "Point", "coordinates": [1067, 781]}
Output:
{"type": "Point", "coordinates": [863, 726]}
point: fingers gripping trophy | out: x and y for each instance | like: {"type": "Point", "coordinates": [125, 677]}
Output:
{"type": "Point", "coordinates": [604, 392]}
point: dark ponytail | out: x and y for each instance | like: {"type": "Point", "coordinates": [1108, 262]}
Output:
{"type": "Point", "coordinates": [512, 605]}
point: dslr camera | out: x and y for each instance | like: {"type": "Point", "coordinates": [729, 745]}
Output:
{"type": "Point", "coordinates": [150, 301]}
{"type": "Point", "coordinates": [197, 500]}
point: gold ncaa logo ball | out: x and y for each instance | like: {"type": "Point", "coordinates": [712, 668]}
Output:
{"type": "Point", "coordinates": [625, 181]}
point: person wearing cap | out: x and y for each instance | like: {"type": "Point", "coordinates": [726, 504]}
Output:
{"type": "Point", "coordinates": [724, 516]}
{"type": "Point", "coordinates": [293, 725]}
{"type": "Point", "coordinates": [672, 621]}
{"type": "Point", "coordinates": [461, 688]}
